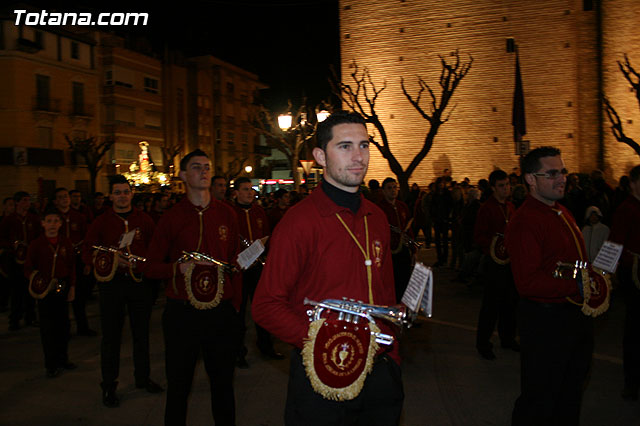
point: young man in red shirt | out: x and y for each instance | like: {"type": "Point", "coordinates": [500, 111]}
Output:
{"type": "Point", "coordinates": [332, 244]}
{"type": "Point", "coordinates": [201, 314]}
{"type": "Point", "coordinates": [121, 287]}
{"type": "Point", "coordinates": [626, 231]}
{"type": "Point", "coordinates": [556, 338]}
{"type": "Point", "coordinates": [50, 268]}
{"type": "Point", "coordinates": [500, 297]}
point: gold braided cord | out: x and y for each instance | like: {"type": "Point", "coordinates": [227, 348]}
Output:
{"type": "Point", "coordinates": [367, 258]}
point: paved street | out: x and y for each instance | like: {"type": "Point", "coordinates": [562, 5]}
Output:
{"type": "Point", "coordinates": [446, 382]}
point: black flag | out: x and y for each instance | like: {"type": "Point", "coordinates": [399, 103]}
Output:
{"type": "Point", "coordinates": [518, 120]}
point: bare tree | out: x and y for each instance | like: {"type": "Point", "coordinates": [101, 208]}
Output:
{"type": "Point", "coordinates": [362, 94]}
{"type": "Point", "coordinates": [169, 153]}
{"type": "Point", "coordinates": [633, 77]}
{"type": "Point", "coordinates": [234, 168]}
{"type": "Point", "coordinates": [289, 141]}
{"type": "Point", "coordinates": [92, 152]}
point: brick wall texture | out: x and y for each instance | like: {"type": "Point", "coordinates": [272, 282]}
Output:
{"type": "Point", "coordinates": [558, 45]}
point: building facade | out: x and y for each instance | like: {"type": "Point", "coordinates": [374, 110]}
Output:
{"type": "Point", "coordinates": [568, 51]}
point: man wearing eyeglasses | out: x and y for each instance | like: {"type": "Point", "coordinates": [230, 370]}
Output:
{"type": "Point", "coordinates": [121, 287]}
{"type": "Point", "coordinates": [556, 338]}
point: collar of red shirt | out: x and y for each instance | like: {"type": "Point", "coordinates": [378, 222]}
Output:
{"type": "Point", "coordinates": [326, 207]}
{"type": "Point", "coordinates": [539, 205]}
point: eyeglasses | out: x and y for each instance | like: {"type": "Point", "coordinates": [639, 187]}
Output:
{"type": "Point", "coordinates": [552, 174]}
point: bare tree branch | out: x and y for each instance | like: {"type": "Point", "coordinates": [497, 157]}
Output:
{"type": "Point", "coordinates": [616, 127]}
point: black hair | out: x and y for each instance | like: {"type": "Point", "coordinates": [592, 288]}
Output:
{"type": "Point", "coordinates": [387, 180]}
{"type": "Point", "coordinates": [279, 193]}
{"type": "Point", "coordinates": [59, 189]}
{"type": "Point", "coordinates": [185, 160]}
{"type": "Point", "coordinates": [213, 179]}
{"type": "Point", "coordinates": [374, 184]}
{"type": "Point", "coordinates": [18, 196]}
{"type": "Point", "coordinates": [51, 210]}
{"type": "Point", "coordinates": [240, 181]}
{"type": "Point", "coordinates": [634, 174]}
{"type": "Point", "coordinates": [325, 128]}
{"type": "Point", "coordinates": [497, 175]}
{"type": "Point", "coordinates": [74, 191]}
{"type": "Point", "coordinates": [6, 199]}
{"type": "Point", "coordinates": [530, 163]}
{"type": "Point", "coordinates": [117, 179]}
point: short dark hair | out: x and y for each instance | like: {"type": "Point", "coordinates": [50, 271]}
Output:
{"type": "Point", "coordinates": [185, 160]}
{"type": "Point", "coordinates": [117, 179]}
{"type": "Point", "coordinates": [374, 184]}
{"type": "Point", "coordinates": [18, 196]}
{"type": "Point", "coordinates": [634, 174]}
{"type": "Point", "coordinates": [59, 189]}
{"type": "Point", "coordinates": [6, 199]}
{"type": "Point", "coordinates": [98, 194]}
{"type": "Point", "coordinates": [387, 180]}
{"type": "Point", "coordinates": [51, 210]}
{"type": "Point", "coordinates": [75, 191]}
{"type": "Point", "coordinates": [325, 128]}
{"type": "Point", "coordinates": [530, 163]}
{"type": "Point", "coordinates": [213, 179]}
{"type": "Point", "coordinates": [497, 175]}
{"type": "Point", "coordinates": [279, 193]}
{"type": "Point", "coordinates": [240, 181]}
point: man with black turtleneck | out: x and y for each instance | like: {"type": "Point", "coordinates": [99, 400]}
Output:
{"type": "Point", "coordinates": [331, 245]}
{"type": "Point", "coordinates": [253, 225]}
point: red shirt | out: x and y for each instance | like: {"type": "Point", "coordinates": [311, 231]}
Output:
{"type": "Point", "coordinates": [74, 226]}
{"type": "Point", "coordinates": [85, 211]}
{"type": "Point", "coordinates": [40, 255]}
{"type": "Point", "coordinates": [252, 222]}
{"type": "Point", "coordinates": [179, 229]}
{"type": "Point", "coordinates": [275, 214]}
{"type": "Point", "coordinates": [626, 229]}
{"type": "Point", "coordinates": [398, 215]}
{"type": "Point", "coordinates": [537, 238]}
{"type": "Point", "coordinates": [19, 228]}
{"type": "Point", "coordinates": [492, 219]}
{"type": "Point", "coordinates": [107, 229]}
{"type": "Point", "coordinates": [312, 255]}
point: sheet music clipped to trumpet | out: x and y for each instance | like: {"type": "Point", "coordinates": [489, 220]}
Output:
{"type": "Point", "coordinates": [249, 255]}
{"type": "Point", "coordinates": [419, 293]}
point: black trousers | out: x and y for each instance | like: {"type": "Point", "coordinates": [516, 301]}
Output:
{"type": "Point", "coordinates": [187, 332]}
{"type": "Point", "coordinates": [441, 237]}
{"type": "Point", "coordinates": [631, 338]}
{"type": "Point", "coordinates": [499, 303]}
{"type": "Point", "coordinates": [54, 329]}
{"type": "Point", "coordinates": [118, 296]}
{"type": "Point", "coordinates": [402, 263]}
{"type": "Point", "coordinates": [250, 279]}
{"type": "Point", "coordinates": [82, 294]}
{"type": "Point", "coordinates": [378, 404]}
{"type": "Point", "coordinates": [556, 344]}
{"type": "Point", "coordinates": [21, 303]}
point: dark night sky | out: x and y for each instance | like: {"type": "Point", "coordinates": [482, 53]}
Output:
{"type": "Point", "coordinates": [289, 44]}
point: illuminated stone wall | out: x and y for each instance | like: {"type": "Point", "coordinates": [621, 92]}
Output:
{"type": "Point", "coordinates": [557, 40]}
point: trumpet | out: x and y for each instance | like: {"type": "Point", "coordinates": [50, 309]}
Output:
{"type": "Point", "coordinates": [129, 256]}
{"type": "Point", "coordinates": [246, 243]}
{"type": "Point", "coordinates": [352, 311]}
{"type": "Point", "coordinates": [407, 241]}
{"type": "Point", "coordinates": [569, 271]}
{"type": "Point", "coordinates": [201, 257]}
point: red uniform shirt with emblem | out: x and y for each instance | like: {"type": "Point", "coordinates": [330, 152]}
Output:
{"type": "Point", "coordinates": [537, 238]}
{"type": "Point", "coordinates": [626, 229]}
{"type": "Point", "coordinates": [213, 232]}
{"type": "Point", "coordinates": [108, 228]}
{"type": "Point", "coordinates": [74, 226]}
{"type": "Point", "coordinates": [398, 215]}
{"type": "Point", "coordinates": [252, 221]}
{"type": "Point", "coordinates": [40, 256]}
{"type": "Point", "coordinates": [492, 219]}
{"type": "Point", "coordinates": [312, 255]}
{"type": "Point", "coordinates": [19, 228]}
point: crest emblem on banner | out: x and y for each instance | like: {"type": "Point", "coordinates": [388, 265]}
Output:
{"type": "Point", "coordinates": [204, 285]}
{"type": "Point", "coordinates": [39, 286]}
{"type": "Point", "coordinates": [105, 265]}
{"type": "Point", "coordinates": [222, 232]}
{"type": "Point", "coordinates": [337, 356]}
{"type": "Point", "coordinates": [596, 288]}
{"type": "Point", "coordinates": [498, 250]}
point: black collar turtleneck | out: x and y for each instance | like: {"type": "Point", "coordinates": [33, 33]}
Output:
{"type": "Point", "coordinates": [350, 200]}
{"type": "Point", "coordinates": [244, 206]}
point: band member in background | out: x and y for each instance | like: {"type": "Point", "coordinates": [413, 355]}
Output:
{"type": "Point", "coordinates": [253, 225]}
{"type": "Point", "coordinates": [99, 205]}
{"type": "Point", "coordinates": [500, 297]}
{"type": "Point", "coordinates": [50, 268]}
{"type": "Point", "coordinates": [202, 300]}
{"type": "Point", "coordinates": [333, 244]}
{"type": "Point", "coordinates": [8, 208]}
{"type": "Point", "coordinates": [399, 218]}
{"type": "Point", "coordinates": [626, 231]}
{"type": "Point", "coordinates": [277, 211]}
{"type": "Point", "coordinates": [556, 338]}
{"type": "Point", "coordinates": [121, 287]}
{"type": "Point", "coordinates": [16, 232]}
{"type": "Point", "coordinates": [219, 187]}
{"type": "Point", "coordinates": [74, 228]}
{"type": "Point", "coordinates": [79, 206]}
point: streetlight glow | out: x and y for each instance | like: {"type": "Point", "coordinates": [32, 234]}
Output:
{"type": "Point", "coordinates": [248, 169]}
{"type": "Point", "coordinates": [284, 121]}
{"type": "Point", "coordinates": [322, 115]}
